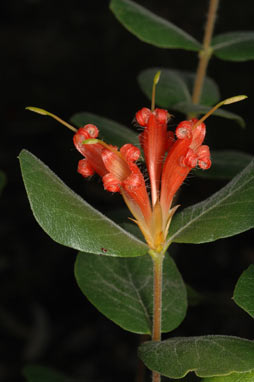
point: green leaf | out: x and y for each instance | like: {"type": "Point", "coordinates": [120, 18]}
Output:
{"type": "Point", "coordinates": [234, 377]}
{"type": "Point", "coordinates": [244, 291]}
{"type": "Point", "coordinates": [151, 28]}
{"type": "Point", "coordinates": [68, 219]}
{"type": "Point", "coordinates": [225, 164]}
{"type": "Point", "coordinates": [234, 46]}
{"type": "Point", "coordinates": [175, 87]}
{"type": "Point", "coordinates": [186, 108]}
{"type": "Point", "coordinates": [122, 289]}
{"type": "Point", "coordinates": [110, 131]}
{"type": "Point", "coordinates": [207, 356]}
{"type": "Point", "coordinates": [2, 181]}
{"type": "Point", "coordinates": [36, 373]}
{"type": "Point", "coordinates": [226, 213]}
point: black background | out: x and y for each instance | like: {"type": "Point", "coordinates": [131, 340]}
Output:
{"type": "Point", "coordinates": [70, 56]}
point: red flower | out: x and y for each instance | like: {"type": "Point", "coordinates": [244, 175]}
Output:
{"type": "Point", "coordinates": [168, 162]}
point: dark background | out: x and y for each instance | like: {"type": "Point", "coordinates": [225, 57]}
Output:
{"type": "Point", "coordinates": [70, 56]}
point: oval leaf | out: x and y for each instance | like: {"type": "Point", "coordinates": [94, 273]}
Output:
{"type": "Point", "coordinates": [234, 377]}
{"type": "Point", "coordinates": [110, 131]}
{"type": "Point", "coordinates": [122, 290]}
{"type": "Point", "coordinates": [68, 219]}
{"type": "Point", "coordinates": [234, 46]}
{"type": "Point", "coordinates": [226, 213]}
{"type": "Point", "coordinates": [36, 373]}
{"type": "Point", "coordinates": [151, 28]}
{"type": "Point", "coordinates": [175, 87]}
{"type": "Point", "coordinates": [225, 164]}
{"type": "Point", "coordinates": [244, 291]}
{"type": "Point", "coordinates": [207, 356]}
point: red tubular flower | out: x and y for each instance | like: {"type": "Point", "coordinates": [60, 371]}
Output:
{"type": "Point", "coordinates": [154, 143]}
{"type": "Point", "coordinates": [186, 153]}
{"type": "Point", "coordinates": [92, 153]}
{"type": "Point", "coordinates": [120, 172]}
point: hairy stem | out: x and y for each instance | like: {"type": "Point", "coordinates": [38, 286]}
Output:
{"type": "Point", "coordinates": [205, 53]}
{"type": "Point", "coordinates": [157, 303]}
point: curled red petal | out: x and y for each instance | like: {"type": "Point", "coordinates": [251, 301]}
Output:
{"type": "Point", "coordinates": [161, 115]}
{"type": "Point", "coordinates": [92, 130]}
{"type": "Point", "coordinates": [204, 160]}
{"type": "Point", "coordinates": [85, 168]}
{"type": "Point", "coordinates": [142, 116]}
{"type": "Point", "coordinates": [203, 151]}
{"type": "Point", "coordinates": [111, 183]}
{"type": "Point", "coordinates": [184, 130]}
{"type": "Point", "coordinates": [189, 160]}
{"type": "Point", "coordinates": [130, 152]}
{"type": "Point", "coordinates": [198, 136]}
{"type": "Point", "coordinates": [205, 163]}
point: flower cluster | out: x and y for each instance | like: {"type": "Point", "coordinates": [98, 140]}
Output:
{"type": "Point", "coordinates": [169, 158]}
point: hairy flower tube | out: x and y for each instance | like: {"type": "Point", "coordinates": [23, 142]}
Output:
{"type": "Point", "coordinates": [168, 158]}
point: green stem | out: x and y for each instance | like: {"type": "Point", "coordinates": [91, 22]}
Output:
{"type": "Point", "coordinates": [205, 53]}
{"type": "Point", "coordinates": [157, 302]}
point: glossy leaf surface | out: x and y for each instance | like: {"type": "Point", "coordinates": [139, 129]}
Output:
{"type": "Point", "coordinates": [225, 164]}
{"type": "Point", "coordinates": [36, 373]}
{"type": "Point", "coordinates": [226, 213]}
{"type": "Point", "coordinates": [110, 131]}
{"type": "Point", "coordinates": [207, 356]}
{"type": "Point", "coordinates": [176, 86]}
{"type": "Point", "coordinates": [122, 289]}
{"type": "Point", "coordinates": [68, 219]}
{"type": "Point", "coordinates": [234, 46]}
{"type": "Point", "coordinates": [244, 291]}
{"type": "Point", "coordinates": [234, 377]}
{"type": "Point", "coordinates": [151, 28]}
